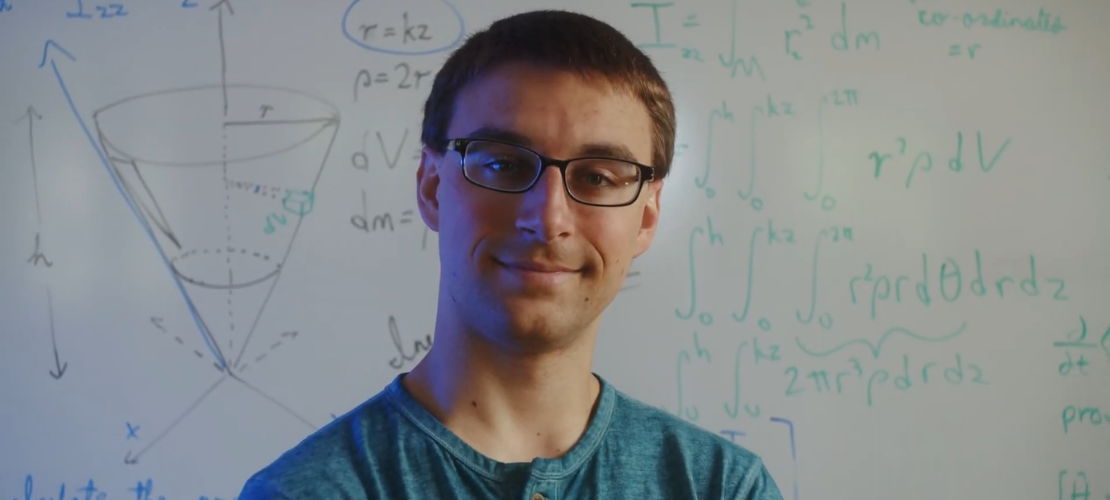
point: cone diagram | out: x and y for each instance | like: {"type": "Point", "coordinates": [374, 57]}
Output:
{"type": "Point", "coordinates": [223, 175]}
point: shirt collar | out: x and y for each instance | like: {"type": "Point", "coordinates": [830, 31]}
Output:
{"type": "Point", "coordinates": [540, 468]}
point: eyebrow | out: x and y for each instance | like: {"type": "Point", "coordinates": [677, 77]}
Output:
{"type": "Point", "coordinates": [606, 149]}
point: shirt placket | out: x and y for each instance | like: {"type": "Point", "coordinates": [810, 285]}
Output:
{"type": "Point", "coordinates": [537, 489]}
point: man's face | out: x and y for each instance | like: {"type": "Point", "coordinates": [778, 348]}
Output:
{"type": "Point", "coordinates": [534, 271]}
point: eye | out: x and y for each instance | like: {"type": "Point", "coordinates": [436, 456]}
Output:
{"type": "Point", "coordinates": [499, 164]}
{"type": "Point", "coordinates": [502, 165]}
{"type": "Point", "coordinates": [599, 178]}
{"type": "Point", "coordinates": [604, 174]}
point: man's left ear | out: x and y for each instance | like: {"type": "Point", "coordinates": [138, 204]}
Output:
{"type": "Point", "coordinates": [650, 217]}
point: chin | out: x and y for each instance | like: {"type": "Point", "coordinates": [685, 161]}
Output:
{"type": "Point", "coordinates": [541, 329]}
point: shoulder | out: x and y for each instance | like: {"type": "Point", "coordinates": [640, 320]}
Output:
{"type": "Point", "coordinates": [333, 461]}
{"type": "Point", "coordinates": [661, 430]}
{"type": "Point", "coordinates": [668, 443]}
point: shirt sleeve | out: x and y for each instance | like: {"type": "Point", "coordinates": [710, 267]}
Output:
{"type": "Point", "coordinates": [759, 485]}
{"type": "Point", "coordinates": [258, 488]}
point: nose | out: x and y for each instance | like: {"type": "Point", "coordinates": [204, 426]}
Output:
{"type": "Point", "coordinates": [545, 212]}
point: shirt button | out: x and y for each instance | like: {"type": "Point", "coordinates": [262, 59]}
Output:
{"type": "Point", "coordinates": [537, 496]}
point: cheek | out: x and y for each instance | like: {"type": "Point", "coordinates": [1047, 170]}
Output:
{"type": "Point", "coordinates": [454, 226]}
{"type": "Point", "coordinates": [617, 244]}
{"type": "Point", "coordinates": [467, 214]}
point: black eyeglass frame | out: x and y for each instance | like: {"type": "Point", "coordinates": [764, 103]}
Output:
{"type": "Point", "coordinates": [647, 172]}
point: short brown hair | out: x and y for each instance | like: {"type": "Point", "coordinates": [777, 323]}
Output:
{"type": "Point", "coordinates": [562, 40]}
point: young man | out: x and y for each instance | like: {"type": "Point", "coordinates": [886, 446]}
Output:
{"type": "Point", "coordinates": [546, 140]}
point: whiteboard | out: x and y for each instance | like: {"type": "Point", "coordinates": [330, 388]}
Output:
{"type": "Point", "coordinates": [881, 264]}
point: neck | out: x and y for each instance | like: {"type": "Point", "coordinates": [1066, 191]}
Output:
{"type": "Point", "coordinates": [508, 406]}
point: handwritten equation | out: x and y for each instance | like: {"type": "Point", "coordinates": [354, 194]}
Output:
{"type": "Point", "coordinates": [833, 32]}
{"type": "Point", "coordinates": [402, 28]}
{"type": "Point", "coordinates": [868, 378]}
{"type": "Point", "coordinates": [402, 77]}
{"type": "Point", "coordinates": [370, 223]}
{"type": "Point", "coordinates": [1085, 357]}
{"type": "Point", "coordinates": [1079, 485]}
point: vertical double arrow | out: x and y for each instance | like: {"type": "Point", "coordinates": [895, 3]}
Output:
{"type": "Point", "coordinates": [37, 256]}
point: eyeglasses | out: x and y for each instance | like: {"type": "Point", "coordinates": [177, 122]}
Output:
{"type": "Point", "coordinates": [509, 168]}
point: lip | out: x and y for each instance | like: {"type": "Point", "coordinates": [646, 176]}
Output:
{"type": "Point", "coordinates": [538, 273]}
{"type": "Point", "coordinates": [538, 267]}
